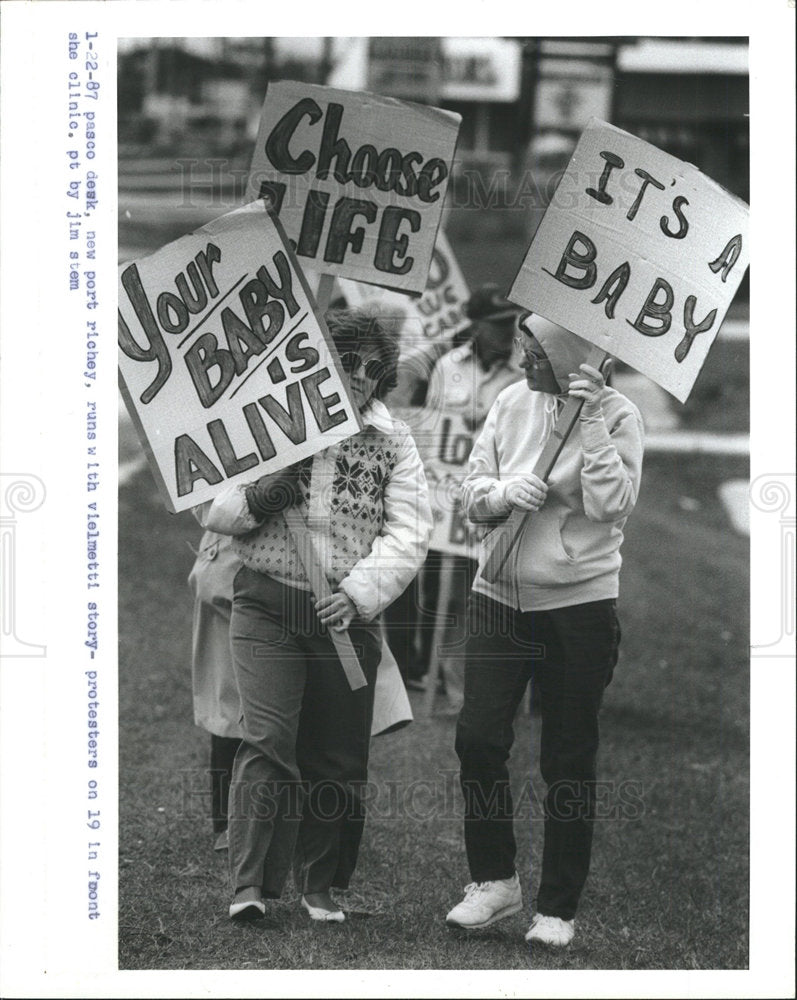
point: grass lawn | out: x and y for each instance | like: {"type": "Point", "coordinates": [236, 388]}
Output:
{"type": "Point", "coordinates": [670, 866]}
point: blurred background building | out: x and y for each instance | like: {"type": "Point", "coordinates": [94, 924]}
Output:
{"type": "Point", "coordinates": [522, 100]}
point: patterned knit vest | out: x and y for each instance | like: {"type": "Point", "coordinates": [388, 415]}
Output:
{"type": "Point", "coordinates": [352, 500]}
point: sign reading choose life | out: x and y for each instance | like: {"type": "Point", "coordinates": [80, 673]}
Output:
{"type": "Point", "coordinates": [357, 180]}
{"type": "Point", "coordinates": [639, 253]}
{"type": "Point", "coordinates": [224, 366]}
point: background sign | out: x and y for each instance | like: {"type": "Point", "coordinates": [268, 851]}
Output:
{"type": "Point", "coordinates": [225, 369]}
{"type": "Point", "coordinates": [358, 180]}
{"type": "Point", "coordinates": [410, 68]}
{"type": "Point", "coordinates": [437, 315]}
{"type": "Point", "coordinates": [638, 253]}
{"type": "Point", "coordinates": [481, 69]}
{"type": "Point", "coordinates": [445, 454]}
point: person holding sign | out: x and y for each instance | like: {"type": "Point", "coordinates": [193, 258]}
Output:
{"type": "Point", "coordinates": [470, 377]}
{"type": "Point", "coordinates": [215, 694]}
{"type": "Point", "coordinates": [553, 613]}
{"type": "Point", "coordinates": [305, 731]}
{"type": "Point", "coordinates": [466, 381]}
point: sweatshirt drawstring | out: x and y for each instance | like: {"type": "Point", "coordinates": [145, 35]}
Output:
{"type": "Point", "coordinates": [551, 409]}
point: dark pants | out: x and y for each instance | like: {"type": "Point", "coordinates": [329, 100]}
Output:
{"type": "Point", "coordinates": [298, 774]}
{"type": "Point", "coordinates": [410, 621]}
{"type": "Point", "coordinates": [571, 652]}
{"type": "Point", "coordinates": [222, 755]}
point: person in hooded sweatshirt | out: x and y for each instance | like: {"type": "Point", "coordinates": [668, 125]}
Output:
{"type": "Point", "coordinates": [551, 612]}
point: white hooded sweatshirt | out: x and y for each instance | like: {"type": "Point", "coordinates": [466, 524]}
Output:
{"type": "Point", "coordinates": [569, 551]}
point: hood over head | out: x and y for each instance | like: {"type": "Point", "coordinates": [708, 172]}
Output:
{"type": "Point", "coordinates": [565, 350]}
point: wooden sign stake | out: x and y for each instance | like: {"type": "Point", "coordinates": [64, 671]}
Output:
{"type": "Point", "coordinates": [307, 554]}
{"type": "Point", "coordinates": [507, 534]}
{"type": "Point", "coordinates": [321, 588]}
{"type": "Point", "coordinates": [435, 671]}
{"type": "Point", "coordinates": [323, 294]}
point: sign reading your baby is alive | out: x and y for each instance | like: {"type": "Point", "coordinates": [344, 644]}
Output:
{"type": "Point", "coordinates": [226, 370]}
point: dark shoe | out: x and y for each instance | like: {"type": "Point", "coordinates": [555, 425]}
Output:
{"type": "Point", "coordinates": [247, 905]}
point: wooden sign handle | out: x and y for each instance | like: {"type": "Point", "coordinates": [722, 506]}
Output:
{"type": "Point", "coordinates": [320, 584]}
{"type": "Point", "coordinates": [323, 293]}
{"type": "Point", "coordinates": [506, 535]}
{"type": "Point", "coordinates": [434, 672]}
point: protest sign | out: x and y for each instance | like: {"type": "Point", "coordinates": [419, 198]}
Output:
{"type": "Point", "coordinates": [445, 454]}
{"type": "Point", "coordinates": [437, 315]}
{"type": "Point", "coordinates": [358, 180]}
{"type": "Point", "coordinates": [639, 253]}
{"type": "Point", "coordinates": [226, 370]}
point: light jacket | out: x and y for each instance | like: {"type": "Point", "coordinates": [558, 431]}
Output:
{"type": "Point", "coordinates": [366, 506]}
{"type": "Point", "coordinates": [569, 551]}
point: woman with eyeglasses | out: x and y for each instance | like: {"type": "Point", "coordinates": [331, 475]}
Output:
{"type": "Point", "coordinates": [551, 613]}
{"type": "Point", "coordinates": [297, 777]}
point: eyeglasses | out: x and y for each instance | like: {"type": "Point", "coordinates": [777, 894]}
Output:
{"type": "Point", "coordinates": [530, 349]}
{"type": "Point", "coordinates": [374, 368]}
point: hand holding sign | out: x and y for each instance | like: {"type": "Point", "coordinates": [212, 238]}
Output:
{"type": "Point", "coordinates": [526, 493]}
{"type": "Point", "coordinates": [336, 611]}
{"type": "Point", "coordinates": [275, 492]}
{"type": "Point", "coordinates": [588, 384]}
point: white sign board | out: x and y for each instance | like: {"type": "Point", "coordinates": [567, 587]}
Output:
{"type": "Point", "coordinates": [358, 180]}
{"type": "Point", "coordinates": [445, 454]}
{"type": "Point", "coordinates": [638, 253]}
{"type": "Point", "coordinates": [226, 371]}
{"type": "Point", "coordinates": [437, 315]}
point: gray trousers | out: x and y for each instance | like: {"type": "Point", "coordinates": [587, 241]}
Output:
{"type": "Point", "coordinates": [297, 777]}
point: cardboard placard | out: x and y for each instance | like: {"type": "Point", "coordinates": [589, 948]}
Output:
{"type": "Point", "coordinates": [440, 311]}
{"type": "Point", "coordinates": [639, 253]}
{"type": "Point", "coordinates": [226, 370]}
{"type": "Point", "coordinates": [358, 180]}
{"type": "Point", "coordinates": [445, 454]}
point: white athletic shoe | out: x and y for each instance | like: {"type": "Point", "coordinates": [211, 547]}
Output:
{"type": "Point", "coordinates": [552, 931]}
{"type": "Point", "coordinates": [486, 902]}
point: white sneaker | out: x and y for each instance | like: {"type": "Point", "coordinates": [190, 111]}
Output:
{"type": "Point", "coordinates": [486, 902]}
{"type": "Point", "coordinates": [552, 931]}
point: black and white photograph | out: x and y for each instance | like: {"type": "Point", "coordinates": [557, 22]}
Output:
{"type": "Point", "coordinates": [415, 571]}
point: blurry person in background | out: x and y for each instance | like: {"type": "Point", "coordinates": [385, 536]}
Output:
{"type": "Point", "coordinates": [297, 777]}
{"type": "Point", "coordinates": [409, 621]}
{"type": "Point", "coordinates": [470, 377]}
{"type": "Point", "coordinates": [467, 380]}
{"type": "Point", "coordinates": [217, 707]}
{"type": "Point", "coordinates": [551, 612]}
